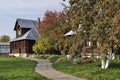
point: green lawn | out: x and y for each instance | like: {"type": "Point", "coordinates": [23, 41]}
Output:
{"type": "Point", "coordinates": [18, 69]}
{"type": "Point", "coordinates": [90, 71]}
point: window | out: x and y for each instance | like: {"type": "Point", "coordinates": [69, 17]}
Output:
{"type": "Point", "coordinates": [19, 32]}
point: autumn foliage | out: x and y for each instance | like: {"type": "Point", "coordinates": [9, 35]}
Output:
{"type": "Point", "coordinates": [100, 24]}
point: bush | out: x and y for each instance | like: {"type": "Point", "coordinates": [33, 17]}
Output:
{"type": "Point", "coordinates": [41, 56]}
{"type": "Point", "coordinates": [43, 45]}
{"type": "Point", "coordinates": [53, 58]}
{"type": "Point", "coordinates": [62, 59]}
{"type": "Point", "coordinates": [87, 60]}
{"type": "Point", "coordinates": [77, 60]}
{"type": "Point", "coordinates": [90, 60]}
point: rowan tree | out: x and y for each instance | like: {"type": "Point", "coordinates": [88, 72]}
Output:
{"type": "Point", "coordinates": [53, 28]}
{"type": "Point", "coordinates": [100, 23]}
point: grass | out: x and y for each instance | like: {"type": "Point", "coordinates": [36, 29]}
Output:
{"type": "Point", "coordinates": [18, 69]}
{"type": "Point", "coordinates": [91, 71]}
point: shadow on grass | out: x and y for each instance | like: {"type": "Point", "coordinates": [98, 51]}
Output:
{"type": "Point", "coordinates": [115, 65]}
{"type": "Point", "coordinates": [2, 78]}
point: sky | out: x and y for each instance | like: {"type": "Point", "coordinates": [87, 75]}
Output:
{"type": "Point", "coordinates": [10, 10]}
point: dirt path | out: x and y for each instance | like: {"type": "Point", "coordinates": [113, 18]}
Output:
{"type": "Point", "coordinates": [44, 67]}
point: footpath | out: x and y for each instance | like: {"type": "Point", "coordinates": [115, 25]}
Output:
{"type": "Point", "coordinates": [44, 67]}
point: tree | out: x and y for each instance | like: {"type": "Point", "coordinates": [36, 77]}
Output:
{"type": "Point", "coordinates": [100, 23]}
{"type": "Point", "coordinates": [106, 31]}
{"type": "Point", "coordinates": [4, 38]}
{"type": "Point", "coordinates": [54, 27]}
{"type": "Point", "coordinates": [49, 23]}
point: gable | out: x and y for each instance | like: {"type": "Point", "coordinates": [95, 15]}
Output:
{"type": "Point", "coordinates": [17, 26]}
{"type": "Point", "coordinates": [24, 23]}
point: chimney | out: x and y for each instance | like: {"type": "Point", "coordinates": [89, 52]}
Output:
{"type": "Point", "coordinates": [38, 23]}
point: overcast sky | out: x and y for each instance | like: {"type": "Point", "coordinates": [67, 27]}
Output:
{"type": "Point", "coordinates": [10, 10]}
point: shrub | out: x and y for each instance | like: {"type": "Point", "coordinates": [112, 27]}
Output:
{"type": "Point", "coordinates": [53, 58]}
{"type": "Point", "coordinates": [87, 60]}
{"type": "Point", "coordinates": [41, 56]}
{"type": "Point", "coordinates": [43, 45]}
{"type": "Point", "coordinates": [62, 59]}
{"type": "Point", "coordinates": [77, 60]}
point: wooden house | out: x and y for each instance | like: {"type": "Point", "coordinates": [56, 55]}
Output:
{"type": "Point", "coordinates": [26, 34]}
{"type": "Point", "coordinates": [87, 47]}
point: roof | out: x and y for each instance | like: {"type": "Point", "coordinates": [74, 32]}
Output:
{"type": "Point", "coordinates": [71, 32]}
{"type": "Point", "coordinates": [25, 23]}
{"type": "Point", "coordinates": [4, 43]}
{"type": "Point", "coordinates": [32, 34]}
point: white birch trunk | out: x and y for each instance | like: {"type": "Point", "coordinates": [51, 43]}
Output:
{"type": "Point", "coordinates": [103, 64]}
{"type": "Point", "coordinates": [106, 63]}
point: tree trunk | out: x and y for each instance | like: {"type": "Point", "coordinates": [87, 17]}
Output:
{"type": "Point", "coordinates": [106, 61]}
{"type": "Point", "coordinates": [103, 64]}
